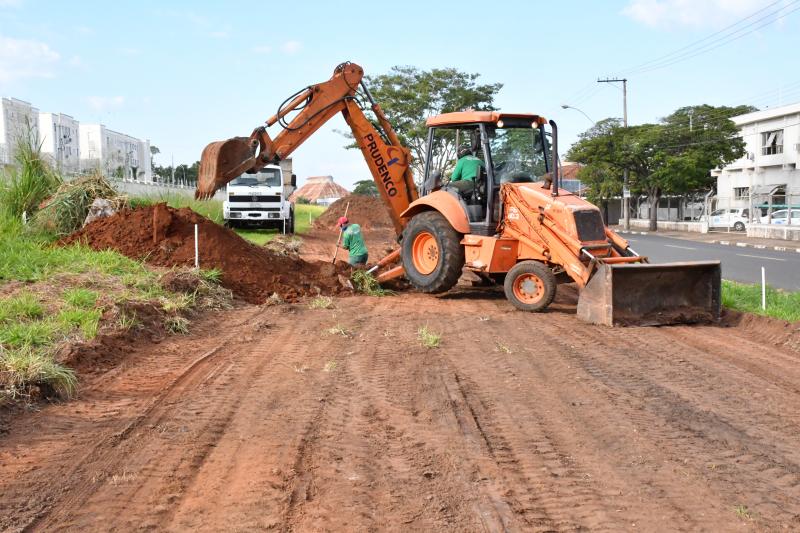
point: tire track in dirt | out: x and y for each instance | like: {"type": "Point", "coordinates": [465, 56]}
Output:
{"type": "Point", "coordinates": [553, 488]}
{"type": "Point", "coordinates": [60, 445]}
{"type": "Point", "coordinates": [695, 423]}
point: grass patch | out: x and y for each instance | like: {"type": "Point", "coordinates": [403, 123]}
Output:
{"type": "Point", "coordinates": [365, 282]}
{"type": "Point", "coordinates": [428, 338]}
{"type": "Point", "coordinates": [21, 334]}
{"type": "Point", "coordinates": [780, 304]}
{"type": "Point", "coordinates": [321, 302]}
{"type": "Point", "coordinates": [80, 297]}
{"type": "Point", "coordinates": [22, 306]}
{"type": "Point", "coordinates": [85, 320]}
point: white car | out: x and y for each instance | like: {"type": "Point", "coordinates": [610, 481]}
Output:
{"type": "Point", "coordinates": [736, 218]}
{"type": "Point", "coordinates": [782, 217]}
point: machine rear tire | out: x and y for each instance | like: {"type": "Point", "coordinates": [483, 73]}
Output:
{"type": "Point", "coordinates": [432, 254]}
{"type": "Point", "coordinates": [530, 286]}
{"type": "Point", "coordinates": [739, 226]}
{"type": "Point", "coordinates": [290, 224]}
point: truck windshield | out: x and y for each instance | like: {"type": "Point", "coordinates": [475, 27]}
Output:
{"type": "Point", "coordinates": [267, 177]}
{"type": "Point", "coordinates": [518, 153]}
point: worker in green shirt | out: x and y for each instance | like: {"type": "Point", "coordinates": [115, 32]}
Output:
{"type": "Point", "coordinates": [353, 242]}
{"type": "Point", "coordinates": [466, 171]}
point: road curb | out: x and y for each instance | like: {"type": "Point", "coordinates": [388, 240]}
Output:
{"type": "Point", "coordinates": [726, 243]}
{"type": "Point", "coordinates": [757, 246]}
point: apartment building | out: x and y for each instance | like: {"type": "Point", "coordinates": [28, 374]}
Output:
{"type": "Point", "coordinates": [17, 119]}
{"type": "Point", "coordinates": [58, 134]}
{"type": "Point", "coordinates": [116, 154]}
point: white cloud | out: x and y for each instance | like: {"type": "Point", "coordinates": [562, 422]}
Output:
{"type": "Point", "coordinates": [263, 49]}
{"type": "Point", "coordinates": [291, 47]}
{"type": "Point", "coordinates": [23, 58]}
{"type": "Point", "coordinates": [104, 103]}
{"type": "Point", "coordinates": [129, 51]}
{"type": "Point", "coordinates": [690, 13]}
{"type": "Point", "coordinates": [83, 30]}
{"type": "Point", "coordinates": [10, 3]}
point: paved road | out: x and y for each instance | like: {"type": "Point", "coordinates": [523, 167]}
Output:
{"type": "Point", "coordinates": [738, 264]}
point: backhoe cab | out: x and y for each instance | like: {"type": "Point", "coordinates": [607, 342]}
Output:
{"type": "Point", "coordinates": [516, 226]}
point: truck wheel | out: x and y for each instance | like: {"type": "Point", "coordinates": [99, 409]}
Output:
{"type": "Point", "coordinates": [530, 286]}
{"type": "Point", "coordinates": [290, 223]}
{"type": "Point", "coordinates": [739, 226]}
{"type": "Point", "coordinates": [432, 254]}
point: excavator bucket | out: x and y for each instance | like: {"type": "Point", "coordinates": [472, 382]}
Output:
{"type": "Point", "coordinates": [652, 294]}
{"type": "Point", "coordinates": [221, 162]}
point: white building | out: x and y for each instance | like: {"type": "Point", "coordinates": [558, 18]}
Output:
{"type": "Point", "coordinates": [114, 153]}
{"type": "Point", "coordinates": [768, 173]}
{"type": "Point", "coordinates": [17, 118]}
{"type": "Point", "coordinates": [58, 134]}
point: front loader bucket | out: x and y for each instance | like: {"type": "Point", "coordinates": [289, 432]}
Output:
{"type": "Point", "coordinates": [651, 294]}
{"type": "Point", "coordinates": [221, 162]}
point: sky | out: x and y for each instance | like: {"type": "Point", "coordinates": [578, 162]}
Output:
{"type": "Point", "coordinates": [183, 74]}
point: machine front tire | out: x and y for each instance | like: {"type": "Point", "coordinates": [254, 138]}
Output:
{"type": "Point", "coordinates": [432, 254]}
{"type": "Point", "coordinates": [530, 286]}
{"type": "Point", "coordinates": [290, 224]}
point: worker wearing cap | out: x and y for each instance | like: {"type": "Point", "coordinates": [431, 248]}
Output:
{"type": "Point", "coordinates": [466, 171]}
{"type": "Point", "coordinates": [353, 242]}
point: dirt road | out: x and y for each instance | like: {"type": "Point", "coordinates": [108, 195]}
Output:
{"type": "Point", "coordinates": [294, 419]}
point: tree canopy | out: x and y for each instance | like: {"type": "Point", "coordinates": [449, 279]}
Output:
{"type": "Point", "coordinates": [409, 95]}
{"type": "Point", "coordinates": [366, 187]}
{"type": "Point", "coordinates": [674, 156]}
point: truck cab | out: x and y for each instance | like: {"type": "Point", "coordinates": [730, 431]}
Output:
{"type": "Point", "coordinates": [260, 200]}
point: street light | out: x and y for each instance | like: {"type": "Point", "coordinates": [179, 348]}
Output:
{"type": "Point", "coordinates": [565, 106]}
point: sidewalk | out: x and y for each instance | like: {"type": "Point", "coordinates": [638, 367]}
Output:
{"type": "Point", "coordinates": [733, 238]}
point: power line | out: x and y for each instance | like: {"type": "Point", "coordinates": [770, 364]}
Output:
{"type": "Point", "coordinates": [722, 41]}
{"type": "Point", "coordinates": [692, 44]}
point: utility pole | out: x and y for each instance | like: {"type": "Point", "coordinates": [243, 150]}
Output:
{"type": "Point", "coordinates": [626, 193]}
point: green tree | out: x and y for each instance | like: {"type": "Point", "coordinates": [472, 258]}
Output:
{"type": "Point", "coordinates": [366, 187]}
{"type": "Point", "coordinates": [409, 95]}
{"type": "Point", "coordinates": [674, 156]}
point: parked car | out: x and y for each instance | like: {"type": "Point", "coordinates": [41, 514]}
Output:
{"type": "Point", "coordinates": [736, 218]}
{"type": "Point", "coordinates": [782, 217]}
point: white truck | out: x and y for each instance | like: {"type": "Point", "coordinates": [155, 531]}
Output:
{"type": "Point", "coordinates": [261, 199]}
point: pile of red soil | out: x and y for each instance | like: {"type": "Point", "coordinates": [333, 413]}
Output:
{"type": "Point", "coordinates": [163, 236]}
{"type": "Point", "coordinates": [366, 211]}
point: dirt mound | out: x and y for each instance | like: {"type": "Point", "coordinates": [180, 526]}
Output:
{"type": "Point", "coordinates": [161, 235]}
{"type": "Point", "coordinates": [366, 211]}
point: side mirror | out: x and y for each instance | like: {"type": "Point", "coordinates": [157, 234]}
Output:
{"type": "Point", "coordinates": [294, 180]}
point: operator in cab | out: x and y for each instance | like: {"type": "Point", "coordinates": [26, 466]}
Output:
{"type": "Point", "coordinates": [353, 242]}
{"type": "Point", "coordinates": [466, 171]}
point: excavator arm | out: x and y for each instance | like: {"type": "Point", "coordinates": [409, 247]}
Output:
{"type": "Point", "coordinates": [387, 159]}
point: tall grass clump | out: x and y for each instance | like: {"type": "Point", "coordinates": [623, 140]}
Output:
{"type": "Point", "coordinates": [28, 182]}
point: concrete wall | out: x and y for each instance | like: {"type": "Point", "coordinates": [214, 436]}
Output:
{"type": "Point", "coordinates": [694, 227]}
{"type": "Point", "coordinates": [774, 231]}
{"type": "Point", "coordinates": [155, 190]}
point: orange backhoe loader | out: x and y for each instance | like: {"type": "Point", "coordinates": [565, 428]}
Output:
{"type": "Point", "coordinates": [515, 226]}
